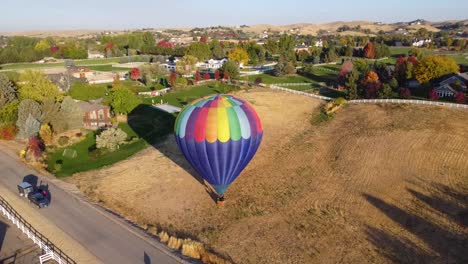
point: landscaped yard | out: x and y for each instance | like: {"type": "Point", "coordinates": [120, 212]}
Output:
{"type": "Point", "coordinates": [146, 125]}
{"type": "Point", "coordinates": [86, 92]}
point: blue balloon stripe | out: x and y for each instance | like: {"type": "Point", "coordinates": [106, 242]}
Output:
{"type": "Point", "coordinates": [184, 120]}
{"type": "Point", "coordinates": [244, 122]}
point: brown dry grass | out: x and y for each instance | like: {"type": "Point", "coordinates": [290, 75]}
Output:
{"type": "Point", "coordinates": [376, 184]}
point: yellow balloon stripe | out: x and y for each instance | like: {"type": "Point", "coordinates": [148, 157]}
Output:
{"type": "Point", "coordinates": [223, 125]}
{"type": "Point", "coordinates": [211, 125]}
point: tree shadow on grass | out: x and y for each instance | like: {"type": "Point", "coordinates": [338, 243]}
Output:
{"type": "Point", "coordinates": [447, 241]}
{"type": "Point", "coordinates": [156, 127]}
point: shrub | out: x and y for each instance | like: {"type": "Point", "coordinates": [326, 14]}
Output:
{"type": "Point", "coordinates": [46, 134]}
{"type": "Point", "coordinates": [63, 140]}
{"type": "Point", "coordinates": [58, 165]}
{"type": "Point", "coordinates": [35, 148]}
{"type": "Point", "coordinates": [111, 139]}
{"type": "Point", "coordinates": [8, 132]}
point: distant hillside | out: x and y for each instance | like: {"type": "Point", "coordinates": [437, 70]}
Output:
{"type": "Point", "coordinates": [313, 29]}
{"type": "Point", "coordinates": [365, 28]}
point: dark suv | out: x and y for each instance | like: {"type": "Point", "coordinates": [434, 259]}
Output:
{"type": "Point", "coordinates": [39, 198]}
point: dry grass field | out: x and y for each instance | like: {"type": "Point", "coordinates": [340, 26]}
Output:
{"type": "Point", "coordinates": [376, 184]}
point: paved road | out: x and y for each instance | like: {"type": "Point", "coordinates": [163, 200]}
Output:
{"type": "Point", "coordinates": [106, 236]}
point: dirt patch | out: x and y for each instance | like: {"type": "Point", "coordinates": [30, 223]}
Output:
{"type": "Point", "coordinates": [375, 184]}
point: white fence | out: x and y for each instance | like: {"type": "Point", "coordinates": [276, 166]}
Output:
{"type": "Point", "coordinates": [374, 101]}
{"type": "Point", "coordinates": [301, 93]}
{"type": "Point", "coordinates": [406, 101]}
{"type": "Point", "coordinates": [51, 252]}
{"type": "Point", "coordinates": [293, 84]}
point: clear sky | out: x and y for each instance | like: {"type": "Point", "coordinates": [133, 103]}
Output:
{"type": "Point", "coordinates": [19, 15]}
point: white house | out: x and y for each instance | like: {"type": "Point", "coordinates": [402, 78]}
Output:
{"type": "Point", "coordinates": [211, 64]}
{"type": "Point", "coordinates": [421, 42]}
{"type": "Point", "coordinates": [446, 88]}
{"type": "Point", "coordinates": [445, 91]}
{"type": "Point", "coordinates": [95, 55]}
{"type": "Point", "coordinates": [319, 43]}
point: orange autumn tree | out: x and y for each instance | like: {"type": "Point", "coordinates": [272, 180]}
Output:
{"type": "Point", "coordinates": [372, 84]}
{"type": "Point", "coordinates": [369, 50]}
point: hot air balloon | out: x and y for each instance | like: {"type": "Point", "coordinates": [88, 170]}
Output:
{"type": "Point", "coordinates": [218, 135]}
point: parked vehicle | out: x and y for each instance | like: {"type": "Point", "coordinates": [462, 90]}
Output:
{"type": "Point", "coordinates": [39, 198]}
{"type": "Point", "coordinates": [25, 188]}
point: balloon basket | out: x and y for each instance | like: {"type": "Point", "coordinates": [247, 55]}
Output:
{"type": "Point", "coordinates": [220, 202]}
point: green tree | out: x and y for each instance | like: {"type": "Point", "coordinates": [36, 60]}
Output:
{"type": "Point", "coordinates": [230, 68]}
{"type": "Point", "coordinates": [302, 55]}
{"type": "Point", "coordinates": [418, 53]}
{"type": "Point", "coordinates": [180, 83]}
{"type": "Point", "coordinates": [51, 112]}
{"type": "Point", "coordinates": [284, 67]}
{"type": "Point", "coordinates": [199, 50]}
{"type": "Point", "coordinates": [216, 49]}
{"type": "Point", "coordinates": [123, 101]}
{"type": "Point", "coordinates": [186, 65]}
{"type": "Point", "coordinates": [271, 46]}
{"type": "Point", "coordinates": [361, 66]}
{"type": "Point", "coordinates": [256, 53]}
{"type": "Point", "coordinates": [9, 112]}
{"type": "Point", "coordinates": [71, 116]}
{"type": "Point", "coordinates": [351, 84]}
{"type": "Point", "coordinates": [386, 92]}
{"type": "Point", "coordinates": [286, 45]}
{"type": "Point", "coordinates": [36, 86]}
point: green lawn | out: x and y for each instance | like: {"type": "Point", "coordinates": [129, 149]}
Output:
{"type": "Point", "coordinates": [399, 50]}
{"type": "Point", "coordinates": [460, 58]}
{"type": "Point", "coordinates": [270, 79]}
{"type": "Point", "coordinates": [21, 66]}
{"type": "Point", "coordinates": [107, 67]}
{"type": "Point", "coordinates": [84, 62]}
{"type": "Point", "coordinates": [86, 92]}
{"type": "Point", "coordinates": [96, 61]}
{"type": "Point", "coordinates": [181, 98]}
{"type": "Point", "coordinates": [88, 157]}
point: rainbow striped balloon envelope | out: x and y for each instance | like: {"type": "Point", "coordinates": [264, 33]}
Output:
{"type": "Point", "coordinates": [218, 135]}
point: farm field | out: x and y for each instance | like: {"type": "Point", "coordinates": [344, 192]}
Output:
{"type": "Point", "coordinates": [375, 184]}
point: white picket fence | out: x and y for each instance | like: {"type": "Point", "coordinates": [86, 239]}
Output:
{"type": "Point", "coordinates": [407, 101]}
{"type": "Point", "coordinates": [292, 84]}
{"type": "Point", "coordinates": [373, 101]}
{"type": "Point", "coordinates": [50, 251]}
{"type": "Point", "coordinates": [301, 93]}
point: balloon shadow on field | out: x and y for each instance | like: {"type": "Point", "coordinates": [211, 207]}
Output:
{"type": "Point", "coordinates": [441, 233]}
{"type": "Point", "coordinates": [156, 127]}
